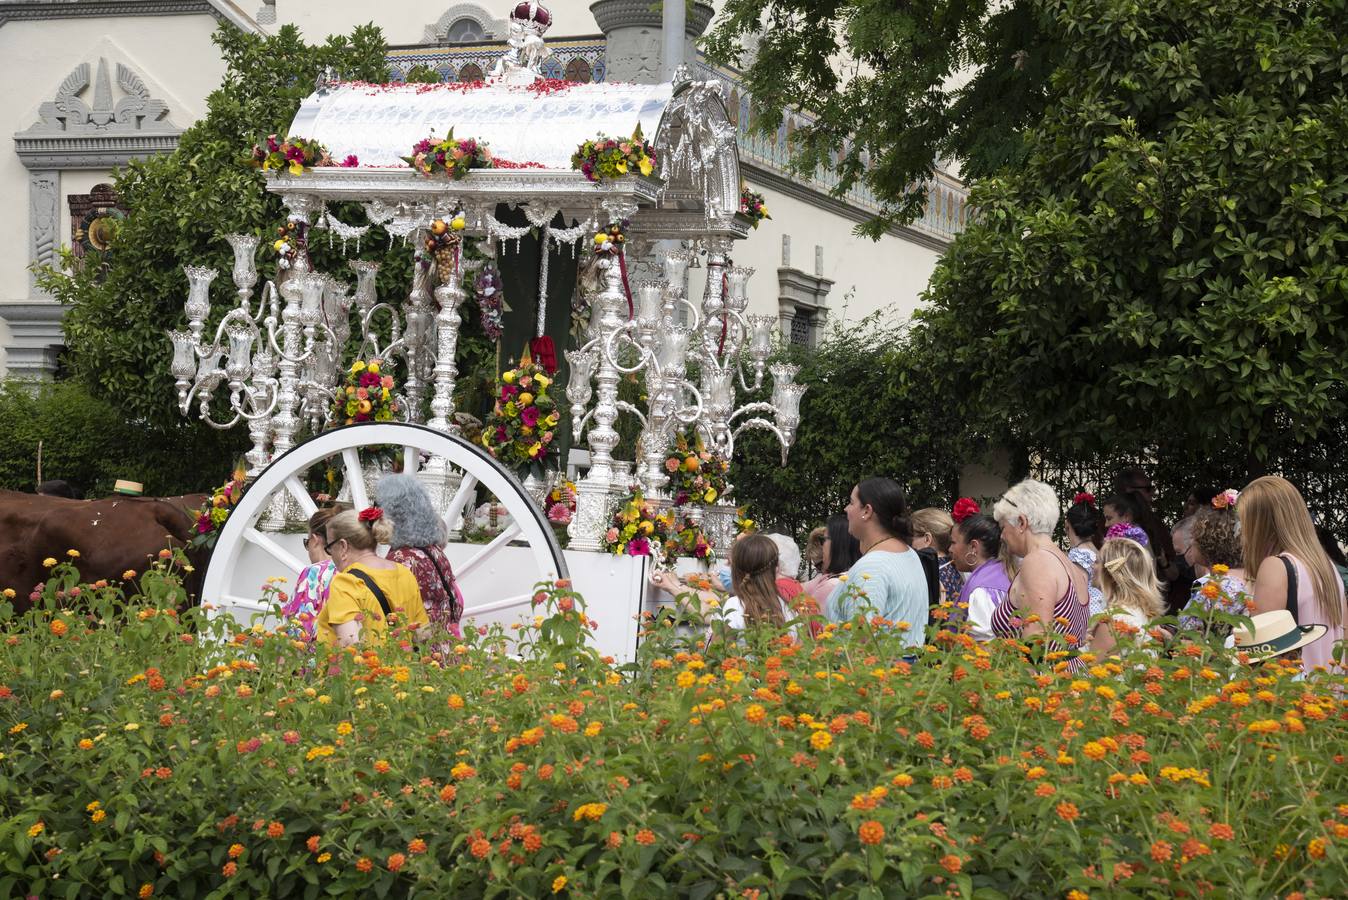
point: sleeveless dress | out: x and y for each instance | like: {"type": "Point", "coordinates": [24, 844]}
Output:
{"type": "Point", "coordinates": [1311, 611]}
{"type": "Point", "coordinates": [1069, 610]}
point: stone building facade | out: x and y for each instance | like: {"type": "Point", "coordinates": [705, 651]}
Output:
{"type": "Point", "coordinates": [95, 83]}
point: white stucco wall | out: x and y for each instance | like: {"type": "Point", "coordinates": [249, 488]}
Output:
{"type": "Point", "coordinates": [173, 55]}
{"type": "Point", "coordinates": [888, 274]}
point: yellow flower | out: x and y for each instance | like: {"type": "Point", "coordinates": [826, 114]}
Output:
{"type": "Point", "coordinates": [73, 554]}
{"type": "Point", "coordinates": [645, 165]}
{"type": "Point", "coordinates": [710, 496]}
{"type": "Point", "coordinates": [622, 166]}
{"type": "Point", "coordinates": [601, 238]}
{"type": "Point", "coordinates": [358, 366]}
{"type": "Point", "coordinates": [278, 245]}
{"type": "Point", "coordinates": [374, 367]}
{"type": "Point", "coordinates": [49, 562]}
{"type": "Point", "coordinates": [296, 168]}
{"type": "Point", "coordinates": [542, 381]}
{"type": "Point", "coordinates": [821, 740]}
{"type": "Point", "coordinates": [9, 594]}
{"type": "Point", "coordinates": [558, 884]}
{"type": "Point", "coordinates": [36, 829]}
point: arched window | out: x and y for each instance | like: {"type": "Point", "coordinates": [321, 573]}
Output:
{"type": "Point", "coordinates": [465, 30]}
{"type": "Point", "coordinates": [578, 70]}
{"type": "Point", "coordinates": [470, 72]}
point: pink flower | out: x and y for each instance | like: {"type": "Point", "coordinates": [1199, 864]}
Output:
{"type": "Point", "coordinates": [350, 162]}
{"type": "Point", "coordinates": [386, 381]}
{"type": "Point", "coordinates": [638, 546]}
{"type": "Point", "coordinates": [362, 394]}
{"type": "Point", "coordinates": [526, 381]}
{"type": "Point", "coordinates": [529, 416]}
{"type": "Point", "coordinates": [671, 465]}
{"type": "Point", "coordinates": [612, 535]}
{"type": "Point", "coordinates": [559, 514]}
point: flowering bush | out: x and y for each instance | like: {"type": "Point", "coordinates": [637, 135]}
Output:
{"type": "Point", "coordinates": [519, 432]}
{"type": "Point", "coordinates": [455, 158]}
{"type": "Point", "coordinates": [211, 518]}
{"type": "Point", "coordinates": [605, 157]}
{"type": "Point", "coordinates": [153, 752]}
{"type": "Point", "coordinates": [638, 529]}
{"type": "Point", "coordinates": [753, 205]}
{"type": "Point", "coordinates": [295, 155]}
{"type": "Point", "coordinates": [696, 474]}
{"type": "Point", "coordinates": [366, 395]}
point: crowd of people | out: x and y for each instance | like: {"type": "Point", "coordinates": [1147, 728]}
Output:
{"type": "Point", "coordinates": [1250, 567]}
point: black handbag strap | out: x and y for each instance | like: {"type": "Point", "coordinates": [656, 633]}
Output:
{"type": "Point", "coordinates": [1291, 588]}
{"type": "Point", "coordinates": [374, 589]}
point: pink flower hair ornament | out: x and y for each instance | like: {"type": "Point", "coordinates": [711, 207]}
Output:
{"type": "Point", "coordinates": [1226, 499]}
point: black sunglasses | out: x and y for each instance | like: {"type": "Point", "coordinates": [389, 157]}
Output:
{"type": "Point", "coordinates": [327, 546]}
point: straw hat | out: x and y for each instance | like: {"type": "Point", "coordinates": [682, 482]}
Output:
{"type": "Point", "coordinates": [130, 488]}
{"type": "Point", "coordinates": [1274, 634]}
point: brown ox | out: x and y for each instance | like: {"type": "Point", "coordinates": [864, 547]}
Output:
{"type": "Point", "coordinates": [111, 535]}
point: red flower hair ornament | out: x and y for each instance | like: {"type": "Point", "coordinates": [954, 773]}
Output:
{"type": "Point", "coordinates": [965, 507]}
{"type": "Point", "coordinates": [371, 514]}
{"type": "Point", "coordinates": [1085, 497]}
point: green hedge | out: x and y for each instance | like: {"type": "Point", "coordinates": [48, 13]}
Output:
{"type": "Point", "coordinates": [89, 442]}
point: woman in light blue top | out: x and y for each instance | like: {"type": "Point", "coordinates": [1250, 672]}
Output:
{"type": "Point", "coordinates": [888, 578]}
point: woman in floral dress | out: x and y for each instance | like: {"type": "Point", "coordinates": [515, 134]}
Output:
{"type": "Point", "coordinates": [418, 543]}
{"type": "Point", "coordinates": [311, 587]}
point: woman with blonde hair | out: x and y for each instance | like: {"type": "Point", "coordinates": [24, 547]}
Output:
{"type": "Point", "coordinates": [367, 590]}
{"type": "Point", "coordinates": [932, 529]}
{"type": "Point", "coordinates": [1291, 570]}
{"type": "Point", "coordinates": [1132, 592]}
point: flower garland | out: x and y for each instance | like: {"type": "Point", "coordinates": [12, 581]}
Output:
{"type": "Point", "coordinates": [520, 430]}
{"type": "Point", "coordinates": [604, 157]}
{"type": "Point", "coordinates": [753, 205]}
{"type": "Point", "coordinates": [560, 503]}
{"type": "Point", "coordinates": [454, 157]}
{"type": "Point", "coordinates": [696, 474]}
{"type": "Point", "coordinates": [212, 516]}
{"type": "Point", "coordinates": [443, 245]}
{"type": "Point", "coordinates": [1226, 499]}
{"type": "Point", "coordinates": [487, 288]}
{"type": "Point", "coordinates": [366, 395]}
{"type": "Point", "coordinates": [686, 538]}
{"type": "Point", "coordinates": [1127, 531]}
{"type": "Point", "coordinates": [295, 155]}
{"type": "Point", "coordinates": [637, 529]}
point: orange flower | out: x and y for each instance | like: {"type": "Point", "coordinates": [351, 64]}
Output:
{"type": "Point", "coordinates": [1161, 851]}
{"type": "Point", "coordinates": [395, 862]}
{"type": "Point", "coordinates": [645, 837]}
{"type": "Point", "coordinates": [146, 890]}
{"type": "Point", "coordinates": [275, 830]}
{"type": "Point", "coordinates": [448, 793]}
{"type": "Point", "coordinates": [229, 869]}
{"type": "Point", "coordinates": [1220, 831]}
{"type": "Point", "coordinates": [1045, 790]}
{"type": "Point", "coordinates": [312, 843]}
{"type": "Point", "coordinates": [952, 863]}
{"type": "Point", "coordinates": [821, 740]}
{"type": "Point", "coordinates": [902, 780]}
{"type": "Point", "coordinates": [58, 627]}
{"type": "Point", "coordinates": [235, 851]}
{"type": "Point", "coordinates": [480, 847]}
{"type": "Point", "coordinates": [1316, 848]}
{"type": "Point", "coordinates": [1068, 812]}
{"type": "Point", "coordinates": [381, 766]}
{"type": "Point", "coordinates": [871, 832]}
{"type": "Point", "coordinates": [755, 714]}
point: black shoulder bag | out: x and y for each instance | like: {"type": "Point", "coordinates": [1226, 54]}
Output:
{"type": "Point", "coordinates": [1291, 589]}
{"type": "Point", "coordinates": [374, 589]}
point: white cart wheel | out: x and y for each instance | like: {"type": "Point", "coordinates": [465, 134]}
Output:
{"type": "Point", "coordinates": [494, 577]}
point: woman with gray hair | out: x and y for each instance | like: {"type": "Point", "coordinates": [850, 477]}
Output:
{"type": "Point", "coordinates": [1049, 588]}
{"type": "Point", "coordinates": [417, 542]}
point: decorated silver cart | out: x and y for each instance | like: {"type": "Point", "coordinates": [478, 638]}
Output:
{"type": "Point", "coordinates": [272, 361]}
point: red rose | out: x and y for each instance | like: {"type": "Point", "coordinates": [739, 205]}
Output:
{"type": "Point", "coordinates": [965, 507]}
{"type": "Point", "coordinates": [1085, 497]}
{"type": "Point", "coordinates": [371, 514]}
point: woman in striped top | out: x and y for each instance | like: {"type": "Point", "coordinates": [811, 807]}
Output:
{"type": "Point", "coordinates": [1049, 587]}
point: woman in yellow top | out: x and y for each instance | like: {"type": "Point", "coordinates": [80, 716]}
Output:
{"type": "Point", "coordinates": [355, 611]}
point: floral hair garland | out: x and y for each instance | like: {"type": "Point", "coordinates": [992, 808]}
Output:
{"type": "Point", "coordinates": [965, 508]}
{"type": "Point", "coordinates": [1085, 497]}
{"type": "Point", "coordinates": [1226, 499]}
{"type": "Point", "coordinates": [1127, 531]}
{"type": "Point", "coordinates": [371, 514]}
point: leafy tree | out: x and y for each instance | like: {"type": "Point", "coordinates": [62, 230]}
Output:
{"type": "Point", "coordinates": [893, 87]}
{"type": "Point", "coordinates": [1166, 272]}
{"type": "Point", "coordinates": [871, 409]}
{"type": "Point", "coordinates": [422, 74]}
{"type": "Point", "coordinates": [181, 204]}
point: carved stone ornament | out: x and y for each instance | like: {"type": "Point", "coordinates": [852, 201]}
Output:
{"type": "Point", "coordinates": [76, 111]}
{"type": "Point", "coordinates": [492, 28]}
